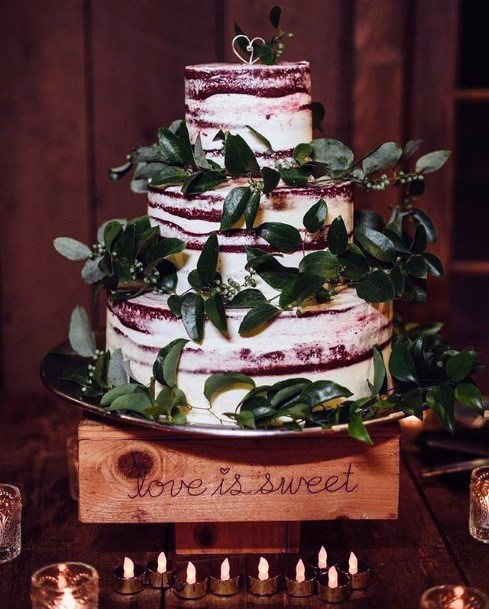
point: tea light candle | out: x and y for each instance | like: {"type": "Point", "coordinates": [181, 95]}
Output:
{"type": "Point", "coordinates": [224, 584]}
{"type": "Point", "coordinates": [453, 597]}
{"type": "Point", "coordinates": [129, 577]}
{"type": "Point", "coordinates": [190, 586]}
{"type": "Point", "coordinates": [358, 570]}
{"type": "Point", "coordinates": [266, 583]}
{"type": "Point", "coordinates": [334, 586]}
{"type": "Point", "coordinates": [300, 582]}
{"type": "Point", "coordinates": [159, 572]}
{"type": "Point", "coordinates": [322, 559]}
{"type": "Point", "coordinates": [65, 586]}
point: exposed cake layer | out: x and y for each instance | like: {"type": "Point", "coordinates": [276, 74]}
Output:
{"type": "Point", "coordinates": [274, 100]}
{"type": "Point", "coordinates": [331, 341]}
{"type": "Point", "coordinates": [192, 219]}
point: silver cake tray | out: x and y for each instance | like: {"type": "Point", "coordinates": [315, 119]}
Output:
{"type": "Point", "coordinates": [52, 370]}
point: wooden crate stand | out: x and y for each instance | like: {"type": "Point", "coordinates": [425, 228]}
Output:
{"type": "Point", "coordinates": [227, 495]}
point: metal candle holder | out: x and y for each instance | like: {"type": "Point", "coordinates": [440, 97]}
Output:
{"type": "Point", "coordinates": [300, 589]}
{"type": "Point", "coordinates": [189, 591]}
{"type": "Point", "coordinates": [340, 594]}
{"type": "Point", "coordinates": [129, 585]}
{"type": "Point", "coordinates": [264, 587]}
{"type": "Point", "coordinates": [228, 587]}
{"type": "Point", "coordinates": [359, 580]}
{"type": "Point", "coordinates": [155, 579]}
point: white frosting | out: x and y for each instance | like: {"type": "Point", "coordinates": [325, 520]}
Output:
{"type": "Point", "coordinates": [332, 341]}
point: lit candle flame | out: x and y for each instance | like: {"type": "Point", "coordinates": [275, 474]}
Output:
{"type": "Point", "coordinates": [162, 565]}
{"type": "Point", "coordinates": [300, 571]}
{"type": "Point", "coordinates": [225, 570]}
{"type": "Point", "coordinates": [67, 601]}
{"type": "Point", "coordinates": [322, 558]}
{"type": "Point", "coordinates": [191, 573]}
{"type": "Point", "coordinates": [128, 568]}
{"type": "Point", "coordinates": [62, 583]}
{"type": "Point", "coordinates": [333, 577]}
{"type": "Point", "coordinates": [263, 569]}
{"type": "Point", "coordinates": [458, 602]}
{"type": "Point", "coordinates": [353, 564]}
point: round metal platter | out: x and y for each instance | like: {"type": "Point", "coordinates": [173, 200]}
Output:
{"type": "Point", "coordinates": [52, 371]}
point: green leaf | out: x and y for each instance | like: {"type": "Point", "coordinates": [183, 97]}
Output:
{"type": "Point", "coordinates": [271, 178]}
{"type": "Point", "coordinates": [433, 264]}
{"type": "Point", "coordinates": [223, 381]}
{"type": "Point", "coordinates": [207, 262]}
{"type": "Point", "coordinates": [357, 429]}
{"type": "Point", "coordinates": [174, 150]}
{"type": "Point", "coordinates": [379, 371]}
{"type": "Point", "coordinates": [71, 248]}
{"type": "Point", "coordinates": [269, 268]}
{"type": "Point", "coordinates": [161, 250]}
{"type": "Point", "coordinates": [321, 264]}
{"type": "Point", "coordinates": [81, 336]}
{"type": "Point", "coordinates": [257, 316]}
{"type": "Point", "coordinates": [234, 206]}
{"type": "Point", "coordinates": [401, 364]}
{"type": "Point", "coordinates": [432, 161]}
{"type": "Point", "coordinates": [458, 367]}
{"type": "Point", "coordinates": [261, 138]}
{"type": "Point", "coordinates": [410, 148]}
{"type": "Point", "coordinates": [376, 287]}
{"type": "Point", "coordinates": [283, 237]}
{"type": "Point", "coordinates": [245, 420]}
{"type": "Point", "coordinates": [354, 262]}
{"type": "Point", "coordinates": [275, 15]}
{"type": "Point", "coordinates": [239, 159]}
{"type": "Point", "coordinates": [111, 232]}
{"type": "Point", "coordinates": [416, 267]}
{"type": "Point", "coordinates": [421, 218]}
{"type": "Point", "coordinates": [175, 305]}
{"type": "Point", "coordinates": [299, 289]}
{"type": "Point", "coordinates": [202, 182]}
{"type": "Point", "coordinates": [315, 217]}
{"type": "Point", "coordinates": [116, 173]}
{"type": "Point", "coordinates": [318, 112]}
{"type": "Point", "coordinates": [260, 407]}
{"type": "Point", "coordinates": [441, 401]}
{"type": "Point", "coordinates": [337, 157]}
{"type": "Point", "coordinates": [126, 389]}
{"type": "Point", "coordinates": [302, 153]}
{"type": "Point", "coordinates": [411, 402]}
{"type": "Point", "coordinates": [397, 279]}
{"type": "Point", "coordinates": [376, 244]}
{"type": "Point", "coordinates": [166, 363]}
{"type": "Point", "coordinates": [470, 395]}
{"type": "Point", "coordinates": [294, 176]}
{"type": "Point", "coordinates": [116, 371]}
{"type": "Point", "coordinates": [321, 392]}
{"type": "Point", "coordinates": [252, 209]}
{"type": "Point", "coordinates": [134, 402]}
{"type": "Point", "coordinates": [169, 176]}
{"type": "Point", "coordinates": [281, 393]}
{"type": "Point", "coordinates": [246, 299]}
{"type": "Point", "coordinates": [368, 218]}
{"type": "Point", "coordinates": [337, 236]}
{"type": "Point", "coordinates": [419, 243]}
{"type": "Point", "coordinates": [214, 309]}
{"type": "Point", "coordinates": [193, 315]}
{"type": "Point", "coordinates": [199, 154]}
{"type": "Point", "coordinates": [386, 155]}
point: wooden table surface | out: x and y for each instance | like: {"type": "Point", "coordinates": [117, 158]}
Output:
{"type": "Point", "coordinates": [427, 546]}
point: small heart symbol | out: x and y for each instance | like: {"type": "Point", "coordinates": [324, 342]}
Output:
{"type": "Point", "coordinates": [249, 47]}
{"type": "Point", "coordinates": [224, 470]}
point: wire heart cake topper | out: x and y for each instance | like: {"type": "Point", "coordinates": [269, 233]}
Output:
{"type": "Point", "coordinates": [250, 48]}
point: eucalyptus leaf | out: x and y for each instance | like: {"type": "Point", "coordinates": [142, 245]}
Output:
{"type": "Point", "coordinates": [90, 272]}
{"type": "Point", "coordinates": [116, 173]}
{"type": "Point", "coordinates": [410, 148]}
{"type": "Point", "coordinates": [71, 248]}
{"type": "Point", "coordinates": [334, 154]}
{"type": "Point", "coordinates": [432, 161]}
{"type": "Point", "coordinates": [225, 380]}
{"type": "Point", "coordinates": [148, 170]}
{"type": "Point", "coordinates": [168, 176]}
{"type": "Point", "coordinates": [81, 336]}
{"type": "Point", "coordinates": [193, 315]}
{"type": "Point", "coordinates": [116, 371]}
{"type": "Point", "coordinates": [386, 155]}
{"type": "Point", "coordinates": [116, 392]}
{"type": "Point", "coordinates": [257, 316]}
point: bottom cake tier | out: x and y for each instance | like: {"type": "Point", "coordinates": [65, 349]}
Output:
{"type": "Point", "coordinates": [333, 341]}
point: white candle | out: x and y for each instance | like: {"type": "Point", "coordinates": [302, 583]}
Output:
{"type": "Point", "coordinates": [162, 564]}
{"type": "Point", "coordinates": [458, 601]}
{"type": "Point", "coordinates": [332, 578]}
{"type": "Point", "coordinates": [191, 573]}
{"type": "Point", "coordinates": [322, 558]}
{"type": "Point", "coordinates": [225, 570]}
{"type": "Point", "coordinates": [300, 571]}
{"type": "Point", "coordinates": [67, 601]}
{"type": "Point", "coordinates": [263, 569]}
{"type": "Point", "coordinates": [128, 568]}
{"type": "Point", "coordinates": [353, 564]}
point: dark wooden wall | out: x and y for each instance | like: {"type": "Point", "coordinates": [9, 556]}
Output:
{"type": "Point", "coordinates": [84, 81]}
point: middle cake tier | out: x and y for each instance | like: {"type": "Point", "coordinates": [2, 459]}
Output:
{"type": "Point", "coordinates": [193, 219]}
{"type": "Point", "coordinates": [332, 341]}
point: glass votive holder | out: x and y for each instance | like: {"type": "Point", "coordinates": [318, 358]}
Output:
{"type": "Point", "coordinates": [479, 504]}
{"type": "Point", "coordinates": [453, 597]}
{"type": "Point", "coordinates": [71, 585]}
{"type": "Point", "coordinates": [10, 519]}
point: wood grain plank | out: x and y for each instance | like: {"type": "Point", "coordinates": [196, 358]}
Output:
{"type": "Point", "coordinates": [44, 178]}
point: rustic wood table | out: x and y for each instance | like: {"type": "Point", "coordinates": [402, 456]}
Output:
{"type": "Point", "coordinates": [428, 545]}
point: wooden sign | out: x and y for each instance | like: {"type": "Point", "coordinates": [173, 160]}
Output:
{"type": "Point", "coordinates": [132, 475]}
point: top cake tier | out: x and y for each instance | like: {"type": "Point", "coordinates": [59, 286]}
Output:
{"type": "Point", "coordinates": [274, 100]}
